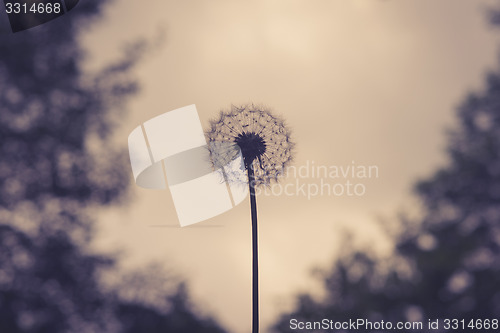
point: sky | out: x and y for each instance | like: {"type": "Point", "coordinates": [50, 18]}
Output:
{"type": "Point", "coordinates": [360, 83]}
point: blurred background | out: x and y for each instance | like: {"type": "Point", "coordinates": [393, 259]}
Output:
{"type": "Point", "coordinates": [409, 86]}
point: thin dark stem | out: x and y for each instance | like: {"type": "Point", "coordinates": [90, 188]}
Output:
{"type": "Point", "coordinates": [255, 253]}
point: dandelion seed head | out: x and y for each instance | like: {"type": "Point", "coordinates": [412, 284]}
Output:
{"type": "Point", "coordinates": [263, 139]}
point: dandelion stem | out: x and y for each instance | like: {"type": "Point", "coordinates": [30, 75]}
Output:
{"type": "Point", "coordinates": [255, 254]}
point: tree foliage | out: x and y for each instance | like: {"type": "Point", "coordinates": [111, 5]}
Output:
{"type": "Point", "coordinates": [55, 165]}
{"type": "Point", "coordinates": [446, 265]}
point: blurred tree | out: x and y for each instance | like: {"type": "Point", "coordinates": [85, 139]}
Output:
{"type": "Point", "coordinates": [447, 265]}
{"type": "Point", "coordinates": [56, 164]}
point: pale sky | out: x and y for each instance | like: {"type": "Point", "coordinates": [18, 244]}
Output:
{"type": "Point", "coordinates": [374, 82]}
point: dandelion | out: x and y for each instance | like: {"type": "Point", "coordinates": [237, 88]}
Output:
{"type": "Point", "coordinates": [264, 142]}
{"type": "Point", "coordinates": [263, 139]}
